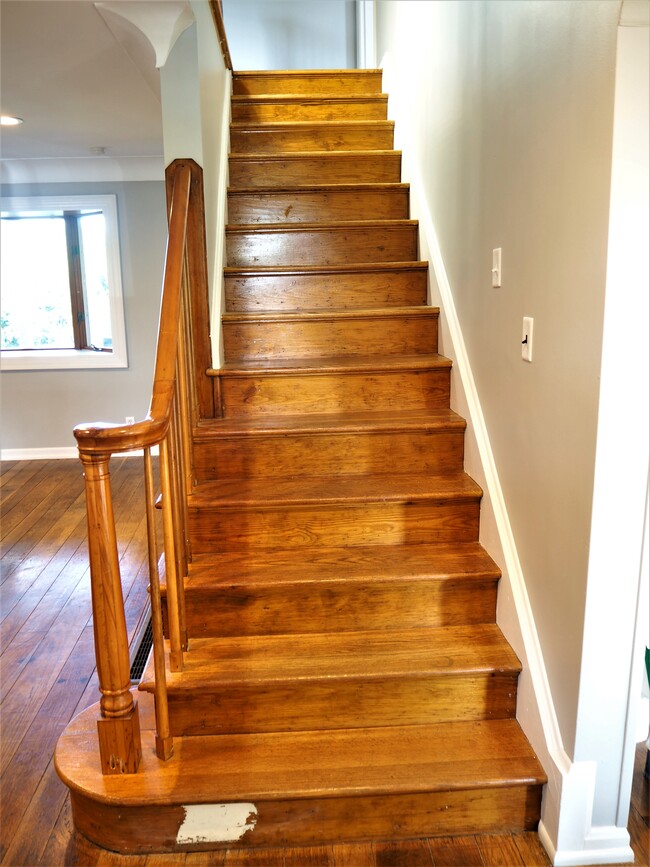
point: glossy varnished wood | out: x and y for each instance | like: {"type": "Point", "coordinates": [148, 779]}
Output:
{"type": "Point", "coordinates": [400, 383]}
{"type": "Point", "coordinates": [264, 108]}
{"type": "Point", "coordinates": [301, 136]}
{"type": "Point", "coordinates": [339, 287]}
{"type": "Point", "coordinates": [325, 203]}
{"type": "Point", "coordinates": [342, 589]}
{"type": "Point", "coordinates": [350, 680]}
{"type": "Point", "coordinates": [238, 515]}
{"type": "Point", "coordinates": [335, 167]}
{"type": "Point", "coordinates": [36, 818]}
{"type": "Point", "coordinates": [411, 330]}
{"type": "Point", "coordinates": [313, 81]}
{"type": "Point", "coordinates": [347, 443]}
{"type": "Point", "coordinates": [321, 243]}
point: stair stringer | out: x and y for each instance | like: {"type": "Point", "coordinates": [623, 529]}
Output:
{"type": "Point", "coordinates": [567, 802]}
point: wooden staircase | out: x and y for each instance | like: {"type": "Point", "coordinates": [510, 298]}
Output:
{"type": "Point", "coordinates": [345, 678]}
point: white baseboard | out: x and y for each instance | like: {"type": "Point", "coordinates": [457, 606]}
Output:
{"type": "Point", "coordinates": [60, 453]}
{"type": "Point", "coordinates": [606, 845]}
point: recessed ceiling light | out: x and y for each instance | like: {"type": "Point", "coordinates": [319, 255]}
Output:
{"type": "Point", "coordinates": [7, 120]}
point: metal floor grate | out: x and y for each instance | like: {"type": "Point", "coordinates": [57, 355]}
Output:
{"type": "Point", "coordinates": [142, 654]}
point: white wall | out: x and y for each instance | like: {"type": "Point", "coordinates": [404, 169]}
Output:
{"type": "Point", "coordinates": [40, 408]}
{"type": "Point", "coordinates": [291, 34]}
{"type": "Point", "coordinates": [505, 112]}
{"type": "Point", "coordinates": [195, 95]}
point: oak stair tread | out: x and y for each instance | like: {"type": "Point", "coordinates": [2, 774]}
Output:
{"type": "Point", "coordinates": [289, 98]}
{"type": "Point", "coordinates": [333, 364]}
{"type": "Point", "coordinates": [299, 125]}
{"type": "Point", "coordinates": [343, 422]}
{"type": "Point", "coordinates": [382, 653]}
{"type": "Point", "coordinates": [376, 562]}
{"type": "Point", "coordinates": [265, 317]}
{"type": "Point", "coordinates": [300, 765]}
{"type": "Point", "coordinates": [331, 490]}
{"type": "Point", "coordinates": [352, 268]}
{"type": "Point", "coordinates": [297, 155]}
{"type": "Point", "coordinates": [261, 228]}
{"type": "Point", "coordinates": [315, 188]}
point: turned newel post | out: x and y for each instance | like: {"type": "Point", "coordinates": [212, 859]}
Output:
{"type": "Point", "coordinates": [119, 727]}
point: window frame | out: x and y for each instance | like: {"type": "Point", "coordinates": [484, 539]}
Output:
{"type": "Point", "coordinates": [77, 359]}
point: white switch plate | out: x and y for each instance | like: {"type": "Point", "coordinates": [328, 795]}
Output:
{"type": "Point", "coordinates": [496, 267]}
{"type": "Point", "coordinates": [527, 338]}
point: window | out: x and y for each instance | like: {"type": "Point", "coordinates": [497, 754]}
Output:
{"type": "Point", "coordinates": [61, 303]}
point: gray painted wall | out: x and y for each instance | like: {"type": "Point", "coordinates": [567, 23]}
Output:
{"type": "Point", "coordinates": [40, 408]}
{"type": "Point", "coordinates": [291, 34]}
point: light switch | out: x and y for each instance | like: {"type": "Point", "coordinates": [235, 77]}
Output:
{"type": "Point", "coordinates": [496, 267]}
{"type": "Point", "coordinates": [527, 338]}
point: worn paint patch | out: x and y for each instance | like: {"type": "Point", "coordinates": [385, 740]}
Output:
{"type": "Point", "coordinates": [216, 823]}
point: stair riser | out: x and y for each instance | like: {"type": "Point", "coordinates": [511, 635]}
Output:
{"type": "Point", "coordinates": [342, 291]}
{"type": "Point", "coordinates": [360, 136]}
{"type": "Point", "coordinates": [319, 339]}
{"type": "Point", "coordinates": [331, 606]}
{"type": "Point", "coordinates": [220, 530]}
{"type": "Point", "coordinates": [264, 456]}
{"type": "Point", "coordinates": [314, 207]}
{"type": "Point", "coordinates": [333, 168]}
{"type": "Point", "coordinates": [303, 82]}
{"type": "Point", "coordinates": [269, 112]}
{"type": "Point", "coordinates": [312, 821]}
{"type": "Point", "coordinates": [327, 246]}
{"type": "Point", "coordinates": [353, 703]}
{"type": "Point", "coordinates": [257, 394]}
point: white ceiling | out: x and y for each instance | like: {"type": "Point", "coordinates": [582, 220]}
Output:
{"type": "Point", "coordinates": [78, 83]}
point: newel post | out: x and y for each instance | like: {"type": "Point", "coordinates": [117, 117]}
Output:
{"type": "Point", "coordinates": [119, 727]}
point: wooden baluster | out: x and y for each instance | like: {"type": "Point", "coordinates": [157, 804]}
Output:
{"type": "Point", "coordinates": [178, 513]}
{"type": "Point", "coordinates": [164, 740]}
{"type": "Point", "coordinates": [119, 728]}
{"type": "Point", "coordinates": [184, 392]}
{"type": "Point", "coordinates": [176, 638]}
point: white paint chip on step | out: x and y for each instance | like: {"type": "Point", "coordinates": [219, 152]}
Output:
{"type": "Point", "coordinates": [216, 823]}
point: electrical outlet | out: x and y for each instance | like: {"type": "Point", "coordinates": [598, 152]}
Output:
{"type": "Point", "coordinates": [129, 419]}
{"type": "Point", "coordinates": [527, 338]}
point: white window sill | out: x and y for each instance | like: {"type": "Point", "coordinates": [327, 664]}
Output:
{"type": "Point", "coordinates": [61, 359]}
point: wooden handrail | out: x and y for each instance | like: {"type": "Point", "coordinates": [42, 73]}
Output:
{"type": "Point", "coordinates": [180, 395]}
{"type": "Point", "coordinates": [217, 14]}
{"type": "Point", "coordinates": [104, 438]}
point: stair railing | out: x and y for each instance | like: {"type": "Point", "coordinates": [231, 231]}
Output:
{"type": "Point", "coordinates": [179, 398]}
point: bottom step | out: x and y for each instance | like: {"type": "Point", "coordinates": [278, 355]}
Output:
{"type": "Point", "coordinates": [303, 788]}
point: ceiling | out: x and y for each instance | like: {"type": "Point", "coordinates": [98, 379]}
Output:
{"type": "Point", "coordinates": [79, 80]}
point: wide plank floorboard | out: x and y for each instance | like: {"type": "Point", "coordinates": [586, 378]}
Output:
{"type": "Point", "coordinates": [48, 663]}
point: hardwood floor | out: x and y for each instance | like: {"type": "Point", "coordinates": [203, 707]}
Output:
{"type": "Point", "coordinates": [47, 676]}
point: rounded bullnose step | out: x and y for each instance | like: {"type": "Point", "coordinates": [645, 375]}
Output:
{"type": "Point", "coordinates": [300, 788]}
